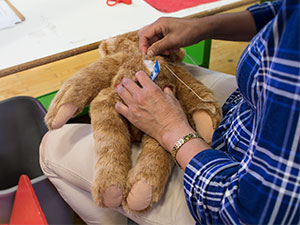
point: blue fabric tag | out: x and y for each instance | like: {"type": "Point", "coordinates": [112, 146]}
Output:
{"type": "Point", "coordinates": [155, 71]}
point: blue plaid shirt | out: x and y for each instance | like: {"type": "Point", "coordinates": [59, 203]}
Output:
{"type": "Point", "coordinates": [251, 174]}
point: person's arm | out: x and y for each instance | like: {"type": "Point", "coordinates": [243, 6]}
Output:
{"type": "Point", "coordinates": [265, 12]}
{"type": "Point", "coordinates": [264, 187]}
{"type": "Point", "coordinates": [168, 34]}
{"type": "Point", "coordinates": [159, 114]}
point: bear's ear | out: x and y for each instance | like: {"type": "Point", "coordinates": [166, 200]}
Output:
{"type": "Point", "coordinates": [132, 36]}
{"type": "Point", "coordinates": [107, 47]}
{"type": "Point", "coordinates": [122, 43]}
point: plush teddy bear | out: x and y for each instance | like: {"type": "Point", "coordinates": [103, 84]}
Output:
{"type": "Point", "coordinates": [116, 181]}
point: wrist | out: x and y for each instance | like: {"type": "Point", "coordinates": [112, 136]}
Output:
{"type": "Point", "coordinates": [204, 28]}
{"type": "Point", "coordinates": [188, 151]}
{"type": "Point", "coordinates": [172, 135]}
{"type": "Point", "coordinates": [225, 26]}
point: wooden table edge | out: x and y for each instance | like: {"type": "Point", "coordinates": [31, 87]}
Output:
{"type": "Point", "coordinates": [92, 46]}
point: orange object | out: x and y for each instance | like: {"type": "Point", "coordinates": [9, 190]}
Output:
{"type": "Point", "coordinates": [114, 2]}
{"type": "Point", "coordinates": [26, 208]}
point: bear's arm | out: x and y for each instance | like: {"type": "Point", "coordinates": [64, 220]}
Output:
{"type": "Point", "coordinates": [79, 90]}
{"type": "Point", "coordinates": [198, 102]}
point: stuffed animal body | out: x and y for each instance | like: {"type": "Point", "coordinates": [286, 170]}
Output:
{"type": "Point", "coordinates": [116, 181]}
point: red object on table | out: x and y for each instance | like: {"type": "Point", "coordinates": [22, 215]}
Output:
{"type": "Point", "coordinates": [26, 208]}
{"type": "Point", "coordinates": [175, 5]}
{"type": "Point", "coordinates": [114, 2]}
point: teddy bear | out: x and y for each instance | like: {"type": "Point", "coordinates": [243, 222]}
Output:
{"type": "Point", "coordinates": [116, 181]}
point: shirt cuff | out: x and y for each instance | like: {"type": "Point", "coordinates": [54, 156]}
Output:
{"type": "Point", "coordinates": [202, 177]}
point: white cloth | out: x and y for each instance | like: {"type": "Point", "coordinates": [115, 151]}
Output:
{"type": "Point", "coordinates": [67, 158]}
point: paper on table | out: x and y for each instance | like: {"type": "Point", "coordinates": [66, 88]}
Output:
{"type": "Point", "coordinates": [8, 16]}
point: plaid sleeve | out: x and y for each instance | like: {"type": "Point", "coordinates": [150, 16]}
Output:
{"type": "Point", "coordinates": [263, 13]}
{"type": "Point", "coordinates": [264, 187]}
{"type": "Point", "coordinates": [206, 181]}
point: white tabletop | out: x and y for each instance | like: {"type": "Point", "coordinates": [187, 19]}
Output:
{"type": "Point", "coordinates": [54, 26]}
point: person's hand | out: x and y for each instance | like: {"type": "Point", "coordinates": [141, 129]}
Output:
{"type": "Point", "coordinates": [156, 112]}
{"type": "Point", "coordinates": [167, 35]}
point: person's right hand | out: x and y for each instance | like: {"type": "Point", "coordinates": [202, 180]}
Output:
{"type": "Point", "coordinates": [167, 35]}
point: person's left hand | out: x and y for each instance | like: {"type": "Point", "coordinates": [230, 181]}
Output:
{"type": "Point", "coordinates": [156, 112]}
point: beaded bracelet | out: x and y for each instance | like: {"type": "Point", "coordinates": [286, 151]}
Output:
{"type": "Point", "coordinates": [181, 142]}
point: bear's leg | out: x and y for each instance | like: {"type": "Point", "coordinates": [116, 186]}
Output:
{"type": "Point", "coordinates": [147, 179]}
{"type": "Point", "coordinates": [112, 146]}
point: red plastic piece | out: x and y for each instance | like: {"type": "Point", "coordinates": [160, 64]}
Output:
{"type": "Point", "coordinates": [26, 209]}
{"type": "Point", "coordinates": [114, 2]}
{"type": "Point", "coordinates": [128, 2]}
{"type": "Point", "coordinates": [175, 5]}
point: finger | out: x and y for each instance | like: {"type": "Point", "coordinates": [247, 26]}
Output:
{"type": "Point", "coordinates": [143, 79]}
{"type": "Point", "coordinates": [150, 36]}
{"type": "Point", "coordinates": [143, 41]}
{"type": "Point", "coordinates": [174, 50]}
{"type": "Point", "coordinates": [142, 30]}
{"type": "Point", "coordinates": [130, 85]}
{"type": "Point", "coordinates": [158, 47]}
{"type": "Point", "coordinates": [144, 44]}
{"type": "Point", "coordinates": [168, 91]}
{"type": "Point", "coordinates": [65, 112]}
{"type": "Point", "coordinates": [124, 94]}
{"type": "Point", "coordinates": [146, 35]}
{"type": "Point", "coordinates": [122, 109]}
{"type": "Point", "coordinates": [170, 51]}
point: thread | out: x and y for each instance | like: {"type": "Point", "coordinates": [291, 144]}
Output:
{"type": "Point", "coordinates": [178, 78]}
{"type": "Point", "coordinates": [191, 58]}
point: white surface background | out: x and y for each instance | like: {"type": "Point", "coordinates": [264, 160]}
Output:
{"type": "Point", "coordinates": [53, 26]}
{"type": "Point", "coordinates": [7, 16]}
